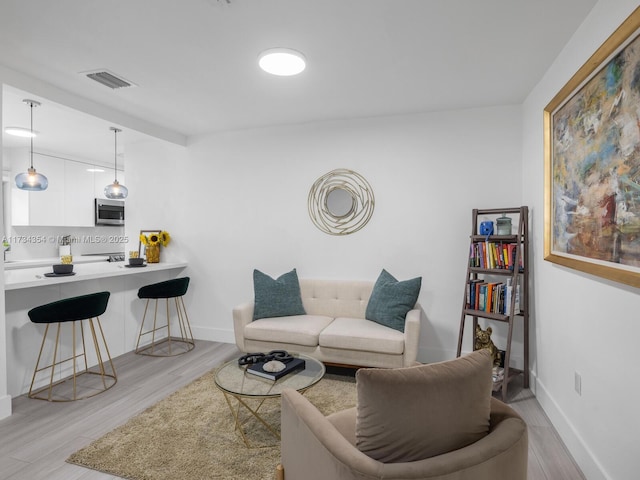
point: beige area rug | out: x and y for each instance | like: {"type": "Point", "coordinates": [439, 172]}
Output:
{"type": "Point", "coordinates": [191, 435]}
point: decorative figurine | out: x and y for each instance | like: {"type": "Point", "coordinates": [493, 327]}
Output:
{"type": "Point", "coordinates": [483, 340]}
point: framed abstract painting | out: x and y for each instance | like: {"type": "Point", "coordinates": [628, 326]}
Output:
{"type": "Point", "coordinates": [592, 163]}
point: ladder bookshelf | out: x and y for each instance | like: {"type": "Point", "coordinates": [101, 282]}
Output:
{"type": "Point", "coordinates": [500, 264]}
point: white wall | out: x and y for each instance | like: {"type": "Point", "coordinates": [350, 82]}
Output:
{"type": "Point", "coordinates": [156, 200]}
{"type": "Point", "coordinates": [582, 323]}
{"type": "Point", "coordinates": [5, 399]}
{"type": "Point", "coordinates": [239, 202]}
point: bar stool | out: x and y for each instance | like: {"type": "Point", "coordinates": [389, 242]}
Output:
{"type": "Point", "coordinates": [73, 310]}
{"type": "Point", "coordinates": [167, 346]}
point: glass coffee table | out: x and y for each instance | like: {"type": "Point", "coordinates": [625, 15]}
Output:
{"type": "Point", "coordinates": [239, 386]}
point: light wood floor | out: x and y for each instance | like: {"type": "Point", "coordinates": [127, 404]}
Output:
{"type": "Point", "coordinates": [39, 436]}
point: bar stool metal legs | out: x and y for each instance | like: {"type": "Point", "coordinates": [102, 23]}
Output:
{"type": "Point", "coordinates": [168, 345]}
{"type": "Point", "coordinates": [70, 377]}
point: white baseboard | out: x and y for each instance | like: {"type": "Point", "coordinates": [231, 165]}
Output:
{"type": "Point", "coordinates": [580, 451]}
{"type": "Point", "coordinates": [213, 334]}
{"type": "Point", "coordinates": [5, 406]}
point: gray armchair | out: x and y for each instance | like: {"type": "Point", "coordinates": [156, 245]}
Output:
{"type": "Point", "coordinates": [315, 447]}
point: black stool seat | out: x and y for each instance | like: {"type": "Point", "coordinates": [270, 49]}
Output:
{"type": "Point", "coordinates": [71, 309]}
{"type": "Point", "coordinates": [167, 289]}
{"type": "Point", "coordinates": [167, 345]}
{"type": "Point", "coordinates": [70, 359]}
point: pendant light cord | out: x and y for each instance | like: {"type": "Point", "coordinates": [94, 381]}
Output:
{"type": "Point", "coordinates": [115, 153]}
{"type": "Point", "coordinates": [31, 152]}
{"type": "Point", "coordinates": [115, 190]}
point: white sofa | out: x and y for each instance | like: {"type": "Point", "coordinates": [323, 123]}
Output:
{"type": "Point", "coordinates": [334, 329]}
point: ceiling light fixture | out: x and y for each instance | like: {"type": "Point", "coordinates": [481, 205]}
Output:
{"type": "Point", "coordinates": [115, 190]}
{"type": "Point", "coordinates": [283, 62]}
{"type": "Point", "coordinates": [20, 132]}
{"type": "Point", "coordinates": [31, 180]}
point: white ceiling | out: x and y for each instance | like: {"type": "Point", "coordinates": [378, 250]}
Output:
{"type": "Point", "coordinates": [195, 61]}
{"type": "Point", "coordinates": [63, 130]}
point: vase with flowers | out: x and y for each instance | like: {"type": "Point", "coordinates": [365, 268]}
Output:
{"type": "Point", "coordinates": [152, 243]}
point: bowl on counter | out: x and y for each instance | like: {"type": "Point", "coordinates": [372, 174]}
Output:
{"type": "Point", "coordinates": [62, 268]}
{"type": "Point", "coordinates": [136, 262]}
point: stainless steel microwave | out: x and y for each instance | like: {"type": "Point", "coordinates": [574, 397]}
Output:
{"type": "Point", "coordinates": [109, 212]}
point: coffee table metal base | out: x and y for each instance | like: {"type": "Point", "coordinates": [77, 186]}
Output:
{"type": "Point", "coordinates": [235, 412]}
{"type": "Point", "coordinates": [242, 391]}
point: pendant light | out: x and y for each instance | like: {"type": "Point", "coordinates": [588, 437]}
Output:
{"type": "Point", "coordinates": [31, 180]}
{"type": "Point", "coordinates": [115, 190]}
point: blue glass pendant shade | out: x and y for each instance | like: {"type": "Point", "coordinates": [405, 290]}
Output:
{"type": "Point", "coordinates": [32, 181]}
{"type": "Point", "coordinates": [116, 191]}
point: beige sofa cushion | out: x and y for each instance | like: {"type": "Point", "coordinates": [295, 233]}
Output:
{"type": "Point", "coordinates": [297, 329]}
{"type": "Point", "coordinates": [413, 413]}
{"type": "Point", "coordinates": [362, 335]}
{"type": "Point", "coordinates": [335, 298]}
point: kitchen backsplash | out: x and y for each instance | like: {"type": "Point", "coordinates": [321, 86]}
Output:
{"type": "Point", "coordinates": [42, 242]}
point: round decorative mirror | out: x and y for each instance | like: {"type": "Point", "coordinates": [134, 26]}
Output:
{"type": "Point", "coordinates": [341, 202]}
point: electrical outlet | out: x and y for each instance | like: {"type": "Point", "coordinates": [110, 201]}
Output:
{"type": "Point", "coordinates": [577, 379]}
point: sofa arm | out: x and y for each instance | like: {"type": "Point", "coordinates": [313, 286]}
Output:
{"type": "Point", "coordinates": [242, 316]}
{"type": "Point", "coordinates": [313, 449]}
{"type": "Point", "coordinates": [411, 336]}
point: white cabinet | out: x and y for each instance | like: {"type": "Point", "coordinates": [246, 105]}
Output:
{"type": "Point", "coordinates": [36, 208]}
{"type": "Point", "coordinates": [47, 207]}
{"type": "Point", "coordinates": [17, 159]}
{"type": "Point", "coordinates": [78, 195]}
{"type": "Point", "coordinates": [69, 199]}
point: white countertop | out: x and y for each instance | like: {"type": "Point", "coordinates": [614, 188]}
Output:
{"type": "Point", "coordinates": [34, 277]}
{"type": "Point", "coordinates": [45, 262]}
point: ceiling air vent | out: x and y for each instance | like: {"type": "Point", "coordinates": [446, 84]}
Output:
{"type": "Point", "coordinates": [108, 79]}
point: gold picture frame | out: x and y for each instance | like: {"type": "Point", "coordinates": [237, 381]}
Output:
{"type": "Point", "coordinates": [592, 163]}
{"type": "Point", "coordinates": [141, 247]}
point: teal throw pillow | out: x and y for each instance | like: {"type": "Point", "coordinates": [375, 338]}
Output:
{"type": "Point", "coordinates": [391, 300]}
{"type": "Point", "coordinates": [276, 298]}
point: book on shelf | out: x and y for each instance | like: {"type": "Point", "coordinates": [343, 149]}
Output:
{"type": "Point", "coordinates": [496, 296]}
{"type": "Point", "coordinates": [512, 297]}
{"type": "Point", "coordinates": [492, 255]}
{"type": "Point", "coordinates": [489, 249]}
{"type": "Point", "coordinates": [488, 297]}
{"type": "Point", "coordinates": [482, 296]}
{"type": "Point", "coordinates": [472, 298]}
{"type": "Point", "coordinates": [492, 297]}
{"type": "Point", "coordinates": [293, 365]}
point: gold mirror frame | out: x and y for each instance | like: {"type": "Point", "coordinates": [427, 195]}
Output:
{"type": "Point", "coordinates": [362, 200]}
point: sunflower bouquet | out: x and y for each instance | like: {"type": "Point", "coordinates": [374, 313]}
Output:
{"type": "Point", "coordinates": [162, 238]}
{"type": "Point", "coordinates": [152, 243]}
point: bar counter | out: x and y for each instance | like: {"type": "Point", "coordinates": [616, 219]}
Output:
{"type": "Point", "coordinates": [26, 288]}
{"type": "Point", "coordinates": [35, 277]}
